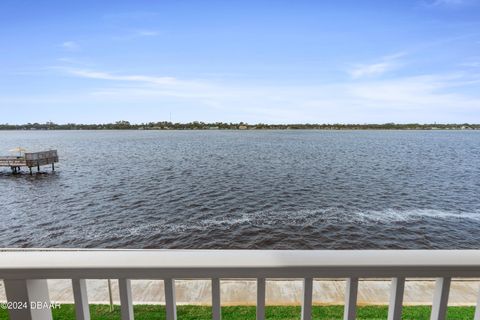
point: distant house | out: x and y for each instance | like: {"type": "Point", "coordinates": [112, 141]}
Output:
{"type": "Point", "coordinates": [242, 127]}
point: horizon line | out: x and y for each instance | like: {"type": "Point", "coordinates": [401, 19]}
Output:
{"type": "Point", "coordinates": [197, 122]}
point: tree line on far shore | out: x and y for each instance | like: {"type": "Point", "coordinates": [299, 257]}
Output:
{"type": "Point", "coordinates": [198, 125]}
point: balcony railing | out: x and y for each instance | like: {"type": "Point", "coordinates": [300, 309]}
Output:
{"type": "Point", "coordinates": [25, 272]}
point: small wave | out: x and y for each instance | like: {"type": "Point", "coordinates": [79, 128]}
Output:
{"type": "Point", "coordinates": [393, 215]}
{"type": "Point", "coordinates": [277, 219]}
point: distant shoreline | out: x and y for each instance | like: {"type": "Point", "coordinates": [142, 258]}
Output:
{"type": "Point", "coordinates": [125, 125]}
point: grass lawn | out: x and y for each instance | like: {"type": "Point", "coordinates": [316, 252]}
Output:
{"type": "Point", "coordinates": [147, 312]}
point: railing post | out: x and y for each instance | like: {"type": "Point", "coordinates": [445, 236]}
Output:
{"type": "Point", "coordinates": [27, 292]}
{"type": "Point", "coordinates": [350, 311]}
{"type": "Point", "coordinates": [440, 299]}
{"type": "Point", "coordinates": [260, 298]}
{"type": "Point", "coordinates": [396, 298]}
{"type": "Point", "coordinates": [170, 307]}
{"type": "Point", "coordinates": [82, 311]}
{"type": "Point", "coordinates": [126, 301]}
{"type": "Point", "coordinates": [307, 296]}
{"type": "Point", "coordinates": [216, 304]}
{"type": "Point", "coordinates": [477, 309]}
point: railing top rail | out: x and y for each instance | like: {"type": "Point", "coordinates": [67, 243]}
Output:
{"type": "Point", "coordinates": [158, 264]}
{"type": "Point", "coordinates": [104, 258]}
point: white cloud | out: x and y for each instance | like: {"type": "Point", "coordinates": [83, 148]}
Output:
{"type": "Point", "coordinates": [386, 64]}
{"type": "Point", "coordinates": [109, 76]}
{"type": "Point", "coordinates": [70, 46]}
{"type": "Point", "coordinates": [375, 69]}
{"type": "Point", "coordinates": [147, 85]}
{"type": "Point", "coordinates": [422, 98]}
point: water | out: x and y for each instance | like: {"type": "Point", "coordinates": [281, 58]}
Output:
{"type": "Point", "coordinates": [246, 189]}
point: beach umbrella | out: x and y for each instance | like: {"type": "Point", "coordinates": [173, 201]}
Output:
{"type": "Point", "coordinates": [19, 150]}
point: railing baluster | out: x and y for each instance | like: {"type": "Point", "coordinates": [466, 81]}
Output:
{"type": "Point", "coordinates": [28, 291]}
{"type": "Point", "coordinates": [307, 296]}
{"type": "Point", "coordinates": [170, 307]}
{"type": "Point", "coordinates": [126, 301]}
{"type": "Point", "coordinates": [82, 311]}
{"type": "Point", "coordinates": [351, 291]}
{"type": "Point", "coordinates": [216, 305]}
{"type": "Point", "coordinates": [396, 298]}
{"type": "Point", "coordinates": [260, 298]}
{"type": "Point", "coordinates": [440, 299]}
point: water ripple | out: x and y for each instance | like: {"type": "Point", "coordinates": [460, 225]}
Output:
{"type": "Point", "coordinates": [229, 189]}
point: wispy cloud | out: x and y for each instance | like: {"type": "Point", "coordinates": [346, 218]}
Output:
{"type": "Point", "coordinates": [450, 3]}
{"type": "Point", "coordinates": [109, 76]}
{"type": "Point", "coordinates": [70, 46]}
{"type": "Point", "coordinates": [140, 33]}
{"type": "Point", "coordinates": [471, 64]}
{"type": "Point", "coordinates": [143, 84]}
{"type": "Point", "coordinates": [411, 98]}
{"type": "Point", "coordinates": [386, 63]}
{"type": "Point", "coordinates": [369, 70]}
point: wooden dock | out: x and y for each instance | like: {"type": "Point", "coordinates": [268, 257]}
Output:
{"type": "Point", "coordinates": [30, 160]}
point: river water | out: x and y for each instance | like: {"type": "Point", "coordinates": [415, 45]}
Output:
{"type": "Point", "coordinates": [245, 189]}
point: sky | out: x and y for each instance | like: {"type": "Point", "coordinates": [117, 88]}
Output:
{"type": "Point", "coordinates": [257, 61]}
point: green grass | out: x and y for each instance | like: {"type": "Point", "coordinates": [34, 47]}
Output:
{"type": "Point", "coordinates": [153, 312]}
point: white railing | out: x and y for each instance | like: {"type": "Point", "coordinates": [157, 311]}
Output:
{"type": "Point", "coordinates": [25, 272]}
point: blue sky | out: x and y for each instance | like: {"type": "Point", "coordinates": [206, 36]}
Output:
{"type": "Point", "coordinates": [253, 61]}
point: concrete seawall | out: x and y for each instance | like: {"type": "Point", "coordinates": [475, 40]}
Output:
{"type": "Point", "coordinates": [279, 292]}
